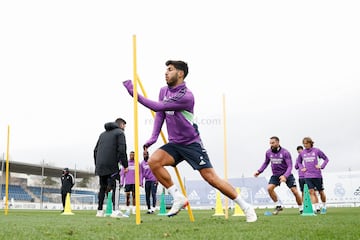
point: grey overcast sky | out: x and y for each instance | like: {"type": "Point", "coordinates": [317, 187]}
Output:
{"type": "Point", "coordinates": [286, 68]}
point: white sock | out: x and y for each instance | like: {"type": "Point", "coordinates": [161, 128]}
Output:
{"type": "Point", "coordinates": [301, 207]}
{"type": "Point", "coordinates": [277, 203]}
{"type": "Point", "coordinates": [243, 205]}
{"type": "Point", "coordinates": [324, 205]}
{"type": "Point", "coordinates": [174, 191]}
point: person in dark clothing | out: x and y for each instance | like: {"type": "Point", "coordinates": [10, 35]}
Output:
{"type": "Point", "coordinates": [110, 150]}
{"type": "Point", "coordinates": [67, 183]}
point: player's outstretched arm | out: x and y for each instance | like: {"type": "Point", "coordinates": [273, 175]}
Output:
{"type": "Point", "coordinates": [158, 106]}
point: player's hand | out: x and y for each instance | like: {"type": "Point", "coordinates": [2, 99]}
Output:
{"type": "Point", "coordinates": [129, 87]}
{"type": "Point", "coordinates": [282, 178]}
{"type": "Point", "coordinates": [256, 174]}
{"type": "Point", "coordinates": [126, 170]}
{"type": "Point", "coordinates": [303, 169]}
{"type": "Point", "coordinates": [318, 166]}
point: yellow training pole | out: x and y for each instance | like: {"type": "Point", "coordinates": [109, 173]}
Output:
{"type": "Point", "coordinates": [7, 173]}
{"type": "Point", "coordinates": [136, 135]}
{"type": "Point", "coordinates": [225, 157]}
{"type": "Point", "coordinates": [191, 216]}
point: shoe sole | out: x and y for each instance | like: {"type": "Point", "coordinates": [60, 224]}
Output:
{"type": "Point", "coordinates": [174, 214]}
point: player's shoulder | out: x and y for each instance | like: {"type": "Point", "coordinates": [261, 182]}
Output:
{"type": "Point", "coordinates": [285, 150]}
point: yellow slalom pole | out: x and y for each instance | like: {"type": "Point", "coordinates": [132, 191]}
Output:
{"type": "Point", "coordinates": [7, 173]}
{"type": "Point", "coordinates": [191, 216]}
{"type": "Point", "coordinates": [225, 157]}
{"type": "Point", "coordinates": [136, 135]}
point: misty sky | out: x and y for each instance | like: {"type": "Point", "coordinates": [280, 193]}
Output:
{"type": "Point", "coordinates": [286, 68]}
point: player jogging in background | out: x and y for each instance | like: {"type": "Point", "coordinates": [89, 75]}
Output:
{"type": "Point", "coordinates": [281, 166]}
{"type": "Point", "coordinates": [176, 107]}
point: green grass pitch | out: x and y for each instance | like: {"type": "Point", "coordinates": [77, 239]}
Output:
{"type": "Point", "coordinates": [338, 223]}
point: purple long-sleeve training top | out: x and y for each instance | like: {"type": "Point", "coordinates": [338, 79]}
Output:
{"type": "Point", "coordinates": [146, 172]}
{"type": "Point", "coordinates": [172, 101]}
{"type": "Point", "coordinates": [281, 163]}
{"type": "Point", "coordinates": [308, 159]}
{"type": "Point", "coordinates": [129, 177]}
{"type": "Point", "coordinates": [300, 173]}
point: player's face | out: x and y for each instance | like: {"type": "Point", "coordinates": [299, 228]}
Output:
{"type": "Point", "coordinates": [132, 155]}
{"type": "Point", "coordinates": [274, 144]}
{"type": "Point", "coordinates": [307, 145]}
{"type": "Point", "coordinates": [172, 76]}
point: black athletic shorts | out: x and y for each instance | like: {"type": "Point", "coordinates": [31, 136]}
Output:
{"type": "Point", "coordinates": [195, 154]}
{"type": "Point", "coordinates": [290, 181]}
{"type": "Point", "coordinates": [129, 188]}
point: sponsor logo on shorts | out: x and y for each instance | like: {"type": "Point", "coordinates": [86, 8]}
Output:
{"type": "Point", "coordinates": [202, 162]}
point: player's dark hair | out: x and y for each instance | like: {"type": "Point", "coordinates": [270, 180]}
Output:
{"type": "Point", "coordinates": [299, 147]}
{"type": "Point", "coordinates": [275, 138]}
{"type": "Point", "coordinates": [179, 65]}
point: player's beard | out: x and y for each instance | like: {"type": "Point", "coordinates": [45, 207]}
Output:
{"type": "Point", "coordinates": [275, 149]}
{"type": "Point", "coordinates": [172, 81]}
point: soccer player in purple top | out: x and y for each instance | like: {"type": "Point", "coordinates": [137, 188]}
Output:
{"type": "Point", "coordinates": [299, 149]}
{"type": "Point", "coordinates": [281, 165]}
{"type": "Point", "coordinates": [128, 179]}
{"type": "Point", "coordinates": [176, 107]}
{"type": "Point", "coordinates": [301, 174]}
{"type": "Point", "coordinates": [151, 183]}
{"type": "Point", "coordinates": [308, 161]}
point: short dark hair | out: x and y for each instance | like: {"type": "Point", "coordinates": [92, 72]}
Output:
{"type": "Point", "coordinates": [179, 65]}
{"type": "Point", "coordinates": [120, 120]}
{"type": "Point", "coordinates": [299, 147]}
{"type": "Point", "coordinates": [275, 138]}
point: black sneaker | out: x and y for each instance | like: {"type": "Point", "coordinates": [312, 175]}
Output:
{"type": "Point", "coordinates": [317, 211]}
{"type": "Point", "coordinates": [301, 212]}
{"type": "Point", "coordinates": [277, 210]}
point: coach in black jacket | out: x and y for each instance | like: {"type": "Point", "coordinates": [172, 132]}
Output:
{"type": "Point", "coordinates": [110, 150]}
{"type": "Point", "coordinates": [67, 183]}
